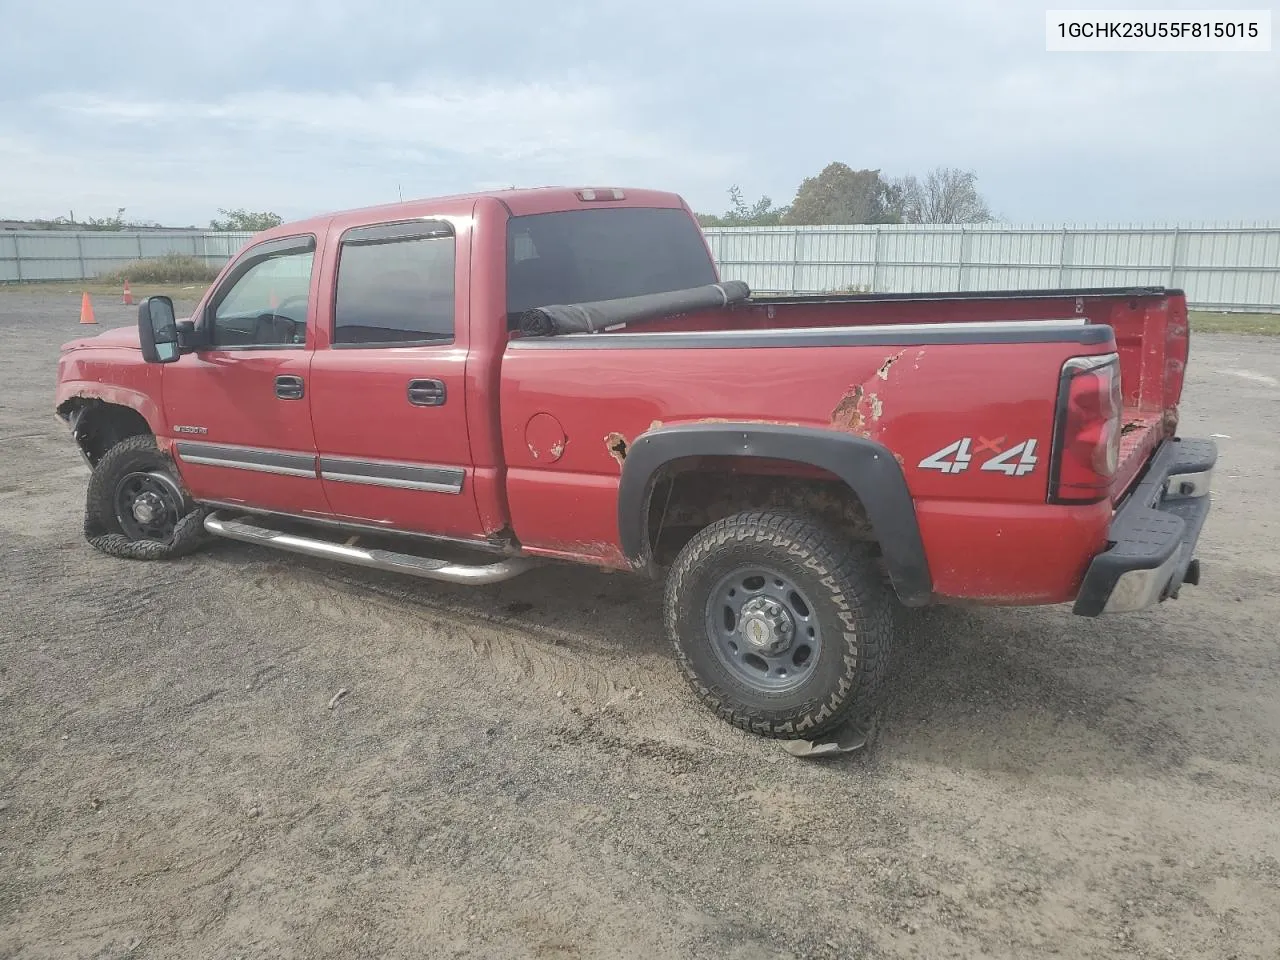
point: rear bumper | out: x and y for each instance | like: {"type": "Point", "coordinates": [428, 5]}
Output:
{"type": "Point", "coordinates": [1153, 535]}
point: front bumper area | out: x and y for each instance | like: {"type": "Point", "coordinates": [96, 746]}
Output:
{"type": "Point", "coordinates": [1153, 535]}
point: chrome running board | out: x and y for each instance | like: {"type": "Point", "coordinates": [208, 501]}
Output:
{"type": "Point", "coordinates": [389, 560]}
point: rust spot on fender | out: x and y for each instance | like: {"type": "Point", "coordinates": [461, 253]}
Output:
{"type": "Point", "coordinates": [883, 372]}
{"type": "Point", "coordinates": [847, 415]}
{"type": "Point", "coordinates": [857, 411]}
{"type": "Point", "coordinates": [616, 444]}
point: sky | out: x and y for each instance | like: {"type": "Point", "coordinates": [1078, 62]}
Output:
{"type": "Point", "coordinates": [172, 110]}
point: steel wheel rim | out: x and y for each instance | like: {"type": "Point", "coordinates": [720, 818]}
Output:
{"type": "Point", "coordinates": [148, 506]}
{"type": "Point", "coordinates": [764, 629]}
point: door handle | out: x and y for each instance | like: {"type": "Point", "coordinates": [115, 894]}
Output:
{"type": "Point", "coordinates": [426, 393]}
{"type": "Point", "coordinates": [289, 388]}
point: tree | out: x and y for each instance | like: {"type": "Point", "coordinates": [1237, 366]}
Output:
{"type": "Point", "coordinates": [246, 220]}
{"type": "Point", "coordinates": [762, 213]}
{"type": "Point", "coordinates": [946, 195]}
{"type": "Point", "coordinates": [104, 223]}
{"type": "Point", "coordinates": [840, 194]}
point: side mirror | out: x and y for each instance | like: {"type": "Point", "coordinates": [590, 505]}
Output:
{"type": "Point", "coordinates": [158, 330]}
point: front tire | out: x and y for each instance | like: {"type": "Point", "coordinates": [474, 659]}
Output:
{"type": "Point", "coordinates": [781, 626]}
{"type": "Point", "coordinates": [135, 507]}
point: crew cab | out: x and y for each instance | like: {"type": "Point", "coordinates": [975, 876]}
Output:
{"type": "Point", "coordinates": [459, 388]}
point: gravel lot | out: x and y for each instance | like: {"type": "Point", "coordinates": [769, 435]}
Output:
{"type": "Point", "coordinates": [518, 771]}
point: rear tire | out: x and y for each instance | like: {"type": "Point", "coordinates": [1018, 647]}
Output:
{"type": "Point", "coordinates": [781, 626]}
{"type": "Point", "coordinates": [136, 508]}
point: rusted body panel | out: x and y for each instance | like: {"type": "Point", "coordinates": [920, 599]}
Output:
{"type": "Point", "coordinates": [914, 401]}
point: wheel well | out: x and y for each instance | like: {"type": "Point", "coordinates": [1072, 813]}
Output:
{"type": "Point", "coordinates": [98, 426]}
{"type": "Point", "coordinates": [690, 494]}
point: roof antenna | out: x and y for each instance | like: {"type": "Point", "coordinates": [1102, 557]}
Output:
{"type": "Point", "coordinates": [400, 193]}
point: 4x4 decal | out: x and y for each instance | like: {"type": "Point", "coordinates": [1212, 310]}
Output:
{"type": "Point", "coordinates": [1017, 461]}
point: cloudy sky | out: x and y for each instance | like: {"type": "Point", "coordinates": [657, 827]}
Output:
{"type": "Point", "coordinates": [174, 109]}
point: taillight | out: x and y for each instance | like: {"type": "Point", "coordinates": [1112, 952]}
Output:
{"type": "Point", "coordinates": [1087, 435]}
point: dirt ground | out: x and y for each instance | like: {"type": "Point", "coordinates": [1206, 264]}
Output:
{"type": "Point", "coordinates": [518, 771]}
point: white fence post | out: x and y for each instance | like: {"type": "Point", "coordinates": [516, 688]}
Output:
{"type": "Point", "coordinates": [875, 262]}
{"type": "Point", "coordinates": [795, 260]}
{"type": "Point", "coordinates": [1064, 260]}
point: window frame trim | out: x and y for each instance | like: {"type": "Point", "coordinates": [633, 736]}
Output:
{"type": "Point", "coordinates": [251, 257]}
{"type": "Point", "coordinates": [434, 227]}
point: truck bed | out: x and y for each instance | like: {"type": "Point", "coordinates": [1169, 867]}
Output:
{"type": "Point", "coordinates": [1150, 325]}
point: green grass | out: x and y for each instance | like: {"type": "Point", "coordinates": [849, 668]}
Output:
{"type": "Point", "coordinates": [1264, 323]}
{"type": "Point", "coordinates": [169, 268]}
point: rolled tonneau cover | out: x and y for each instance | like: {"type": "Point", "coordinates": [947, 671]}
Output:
{"type": "Point", "coordinates": [592, 317]}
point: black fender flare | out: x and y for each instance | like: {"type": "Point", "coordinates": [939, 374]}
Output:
{"type": "Point", "coordinates": [869, 468]}
{"type": "Point", "coordinates": [84, 415]}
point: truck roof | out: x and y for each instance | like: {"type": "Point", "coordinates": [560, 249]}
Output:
{"type": "Point", "coordinates": [519, 203]}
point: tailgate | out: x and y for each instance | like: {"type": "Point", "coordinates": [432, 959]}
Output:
{"type": "Point", "coordinates": [1152, 340]}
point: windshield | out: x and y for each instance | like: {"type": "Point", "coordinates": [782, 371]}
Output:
{"type": "Point", "coordinates": [581, 256]}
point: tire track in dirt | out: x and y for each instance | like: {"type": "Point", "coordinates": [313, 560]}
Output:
{"type": "Point", "coordinates": [554, 660]}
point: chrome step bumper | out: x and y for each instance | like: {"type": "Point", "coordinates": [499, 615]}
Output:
{"type": "Point", "coordinates": [1154, 533]}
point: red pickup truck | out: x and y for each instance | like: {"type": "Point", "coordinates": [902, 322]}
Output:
{"type": "Point", "coordinates": [461, 387]}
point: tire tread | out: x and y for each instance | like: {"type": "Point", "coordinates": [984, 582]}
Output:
{"type": "Point", "coordinates": [850, 570]}
{"type": "Point", "coordinates": [102, 529]}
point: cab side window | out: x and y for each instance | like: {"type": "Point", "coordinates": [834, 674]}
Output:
{"type": "Point", "coordinates": [395, 285]}
{"type": "Point", "coordinates": [264, 302]}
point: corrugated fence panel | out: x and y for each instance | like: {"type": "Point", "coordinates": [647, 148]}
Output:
{"type": "Point", "coordinates": [80, 255]}
{"type": "Point", "coordinates": [1013, 259]}
{"type": "Point", "coordinates": [834, 260]}
{"type": "Point", "coordinates": [1219, 267]}
{"type": "Point", "coordinates": [109, 245]}
{"type": "Point", "coordinates": [48, 256]}
{"type": "Point", "coordinates": [9, 258]}
{"type": "Point", "coordinates": [768, 255]}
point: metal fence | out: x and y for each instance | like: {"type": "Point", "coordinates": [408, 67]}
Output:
{"type": "Point", "coordinates": [1220, 267]}
{"type": "Point", "coordinates": [81, 255]}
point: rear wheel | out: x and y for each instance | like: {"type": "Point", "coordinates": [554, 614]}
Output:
{"type": "Point", "coordinates": [135, 508]}
{"type": "Point", "coordinates": [782, 626]}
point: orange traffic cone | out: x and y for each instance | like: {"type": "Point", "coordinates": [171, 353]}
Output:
{"type": "Point", "coordinates": [128, 295]}
{"type": "Point", "coordinates": [86, 309]}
